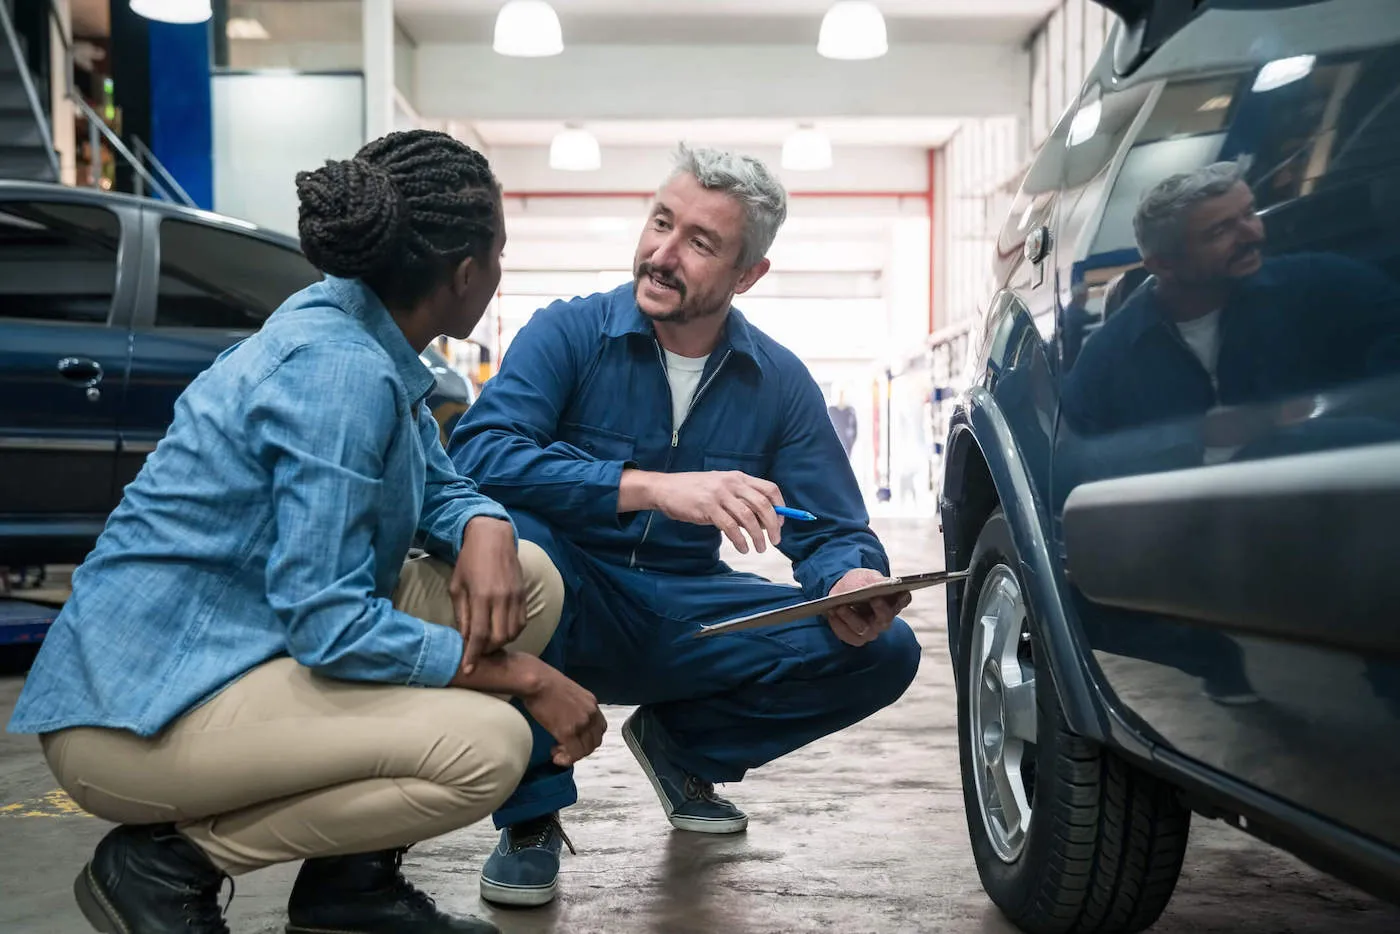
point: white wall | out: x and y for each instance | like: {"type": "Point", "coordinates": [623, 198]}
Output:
{"type": "Point", "coordinates": [726, 82]}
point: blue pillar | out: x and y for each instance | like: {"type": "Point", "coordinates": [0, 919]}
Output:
{"type": "Point", "coordinates": [182, 114]}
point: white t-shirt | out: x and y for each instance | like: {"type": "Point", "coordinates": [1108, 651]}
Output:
{"type": "Point", "coordinates": [1202, 335]}
{"type": "Point", "coordinates": [683, 373]}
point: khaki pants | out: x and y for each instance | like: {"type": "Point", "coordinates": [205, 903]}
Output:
{"type": "Point", "coordinates": [284, 764]}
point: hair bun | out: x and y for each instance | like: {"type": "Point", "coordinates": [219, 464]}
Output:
{"type": "Point", "coordinates": [350, 217]}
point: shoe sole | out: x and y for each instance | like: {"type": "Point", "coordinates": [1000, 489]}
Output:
{"type": "Point", "coordinates": [693, 824]}
{"type": "Point", "coordinates": [95, 905]}
{"type": "Point", "coordinates": [518, 896]}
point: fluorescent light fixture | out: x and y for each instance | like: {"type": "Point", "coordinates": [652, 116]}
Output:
{"type": "Point", "coordinates": [575, 150]}
{"type": "Point", "coordinates": [173, 11]}
{"type": "Point", "coordinates": [528, 29]}
{"type": "Point", "coordinates": [240, 27]}
{"type": "Point", "coordinates": [1085, 123]}
{"type": "Point", "coordinates": [807, 150]}
{"type": "Point", "coordinates": [1219, 102]}
{"type": "Point", "coordinates": [851, 30]}
{"type": "Point", "coordinates": [1283, 71]}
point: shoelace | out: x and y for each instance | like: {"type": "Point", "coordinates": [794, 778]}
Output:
{"type": "Point", "coordinates": [697, 789]}
{"type": "Point", "coordinates": [407, 890]}
{"type": "Point", "coordinates": [533, 834]}
{"type": "Point", "coordinates": [203, 911]}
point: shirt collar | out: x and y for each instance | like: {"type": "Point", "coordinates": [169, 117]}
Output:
{"type": "Point", "coordinates": [1147, 313]}
{"type": "Point", "coordinates": [624, 318]}
{"type": "Point", "coordinates": [359, 301]}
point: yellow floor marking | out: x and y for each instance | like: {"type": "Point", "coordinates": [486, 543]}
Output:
{"type": "Point", "coordinates": [54, 804]}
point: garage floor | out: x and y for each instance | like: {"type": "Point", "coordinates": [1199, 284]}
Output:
{"type": "Point", "coordinates": [862, 832]}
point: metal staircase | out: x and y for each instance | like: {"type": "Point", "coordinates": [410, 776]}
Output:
{"type": "Point", "coordinates": [26, 144]}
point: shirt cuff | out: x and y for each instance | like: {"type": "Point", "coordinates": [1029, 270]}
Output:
{"type": "Point", "coordinates": [439, 658]}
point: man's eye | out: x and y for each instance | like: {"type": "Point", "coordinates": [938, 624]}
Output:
{"type": "Point", "coordinates": [703, 246]}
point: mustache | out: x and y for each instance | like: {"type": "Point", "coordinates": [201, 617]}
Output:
{"type": "Point", "coordinates": [666, 279]}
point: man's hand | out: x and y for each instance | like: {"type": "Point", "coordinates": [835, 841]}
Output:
{"type": "Point", "coordinates": [488, 589]}
{"type": "Point", "coordinates": [730, 500]}
{"type": "Point", "coordinates": [864, 622]}
{"type": "Point", "coordinates": [570, 714]}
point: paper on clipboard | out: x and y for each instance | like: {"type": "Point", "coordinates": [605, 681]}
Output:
{"type": "Point", "coordinates": [789, 614]}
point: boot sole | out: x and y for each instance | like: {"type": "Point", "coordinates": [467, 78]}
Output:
{"type": "Point", "coordinates": [692, 824]}
{"type": "Point", "coordinates": [95, 905]}
{"type": "Point", "coordinates": [519, 896]}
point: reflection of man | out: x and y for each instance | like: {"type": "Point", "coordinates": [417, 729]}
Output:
{"type": "Point", "coordinates": [843, 418]}
{"type": "Point", "coordinates": [1221, 326]}
{"type": "Point", "coordinates": [625, 433]}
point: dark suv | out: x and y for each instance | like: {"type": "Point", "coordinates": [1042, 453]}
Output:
{"type": "Point", "coordinates": [109, 306]}
{"type": "Point", "coordinates": [1177, 473]}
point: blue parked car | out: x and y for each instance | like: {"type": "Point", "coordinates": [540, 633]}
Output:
{"type": "Point", "coordinates": [109, 306]}
{"type": "Point", "coordinates": [1176, 476]}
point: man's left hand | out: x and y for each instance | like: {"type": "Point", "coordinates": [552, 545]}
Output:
{"type": "Point", "coordinates": [488, 589]}
{"type": "Point", "coordinates": [864, 622]}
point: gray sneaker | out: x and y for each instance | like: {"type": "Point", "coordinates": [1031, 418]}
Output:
{"type": "Point", "coordinates": [690, 802]}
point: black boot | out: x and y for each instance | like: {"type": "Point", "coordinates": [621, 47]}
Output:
{"type": "Point", "coordinates": [150, 879]}
{"type": "Point", "coordinates": [367, 894]}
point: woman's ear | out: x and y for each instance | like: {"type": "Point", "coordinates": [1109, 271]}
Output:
{"type": "Point", "coordinates": [462, 276]}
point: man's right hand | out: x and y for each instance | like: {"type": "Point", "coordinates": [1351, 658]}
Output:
{"type": "Point", "coordinates": [569, 713]}
{"type": "Point", "coordinates": [730, 500]}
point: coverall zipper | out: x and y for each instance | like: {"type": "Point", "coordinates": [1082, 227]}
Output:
{"type": "Point", "coordinates": [675, 432]}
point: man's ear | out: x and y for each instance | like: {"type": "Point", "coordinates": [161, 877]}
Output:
{"type": "Point", "coordinates": [751, 275]}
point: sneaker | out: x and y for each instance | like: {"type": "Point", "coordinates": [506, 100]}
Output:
{"type": "Point", "coordinates": [690, 802]}
{"type": "Point", "coordinates": [367, 894]}
{"type": "Point", "coordinates": [523, 870]}
{"type": "Point", "coordinates": [153, 880]}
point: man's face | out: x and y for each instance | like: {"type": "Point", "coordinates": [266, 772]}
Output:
{"type": "Point", "coordinates": [1221, 241]}
{"type": "Point", "coordinates": [687, 262]}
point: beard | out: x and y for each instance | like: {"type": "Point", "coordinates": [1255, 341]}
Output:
{"type": "Point", "coordinates": [688, 307]}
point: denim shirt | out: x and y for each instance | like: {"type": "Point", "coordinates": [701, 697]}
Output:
{"type": "Point", "coordinates": [272, 520]}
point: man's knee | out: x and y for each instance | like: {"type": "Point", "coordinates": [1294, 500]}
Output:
{"type": "Point", "coordinates": [898, 654]}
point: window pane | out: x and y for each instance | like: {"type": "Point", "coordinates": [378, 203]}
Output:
{"type": "Point", "coordinates": [58, 262]}
{"type": "Point", "coordinates": [212, 278]}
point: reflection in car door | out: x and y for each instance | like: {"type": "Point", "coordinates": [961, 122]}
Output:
{"type": "Point", "coordinates": [208, 285]}
{"type": "Point", "coordinates": [1223, 439]}
{"type": "Point", "coordinates": [64, 300]}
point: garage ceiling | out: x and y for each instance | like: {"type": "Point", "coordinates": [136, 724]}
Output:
{"type": "Point", "coordinates": [922, 133]}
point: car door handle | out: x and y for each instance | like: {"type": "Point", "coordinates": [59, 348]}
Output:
{"type": "Point", "coordinates": [81, 370]}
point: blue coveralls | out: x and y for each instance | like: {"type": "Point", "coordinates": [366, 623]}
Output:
{"type": "Point", "coordinates": [581, 394]}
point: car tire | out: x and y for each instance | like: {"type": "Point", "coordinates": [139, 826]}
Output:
{"type": "Point", "coordinates": [1099, 843]}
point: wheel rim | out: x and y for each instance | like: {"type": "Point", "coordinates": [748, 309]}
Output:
{"type": "Point", "coordinates": [1001, 686]}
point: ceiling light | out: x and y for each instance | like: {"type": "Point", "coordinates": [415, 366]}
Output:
{"type": "Point", "coordinates": [1219, 102]}
{"type": "Point", "coordinates": [528, 29]}
{"type": "Point", "coordinates": [244, 28]}
{"type": "Point", "coordinates": [574, 150]}
{"type": "Point", "coordinates": [853, 29]}
{"type": "Point", "coordinates": [1283, 71]}
{"type": "Point", "coordinates": [807, 150]}
{"type": "Point", "coordinates": [173, 11]}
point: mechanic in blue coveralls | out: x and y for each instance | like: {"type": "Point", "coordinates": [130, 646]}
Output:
{"type": "Point", "coordinates": [625, 433]}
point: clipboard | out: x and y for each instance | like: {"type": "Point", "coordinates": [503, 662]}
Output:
{"type": "Point", "coordinates": [788, 614]}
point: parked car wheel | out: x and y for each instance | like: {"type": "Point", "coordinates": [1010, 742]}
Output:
{"type": "Point", "coordinates": [1068, 837]}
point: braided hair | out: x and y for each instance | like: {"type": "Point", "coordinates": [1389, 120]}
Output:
{"type": "Point", "coordinates": [401, 215]}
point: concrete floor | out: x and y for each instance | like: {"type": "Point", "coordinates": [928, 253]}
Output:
{"type": "Point", "coordinates": [861, 832]}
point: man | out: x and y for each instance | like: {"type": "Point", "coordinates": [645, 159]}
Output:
{"type": "Point", "coordinates": [1221, 332]}
{"type": "Point", "coordinates": [624, 433]}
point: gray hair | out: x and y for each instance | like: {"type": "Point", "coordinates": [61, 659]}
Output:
{"type": "Point", "coordinates": [1161, 213]}
{"type": "Point", "coordinates": [746, 179]}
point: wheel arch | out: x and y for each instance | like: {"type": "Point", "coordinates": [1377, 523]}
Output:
{"type": "Point", "coordinates": [983, 471]}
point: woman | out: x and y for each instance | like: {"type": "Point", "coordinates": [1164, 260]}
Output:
{"type": "Point", "coordinates": [239, 677]}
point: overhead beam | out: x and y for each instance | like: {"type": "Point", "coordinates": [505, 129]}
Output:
{"type": "Point", "coordinates": [720, 81]}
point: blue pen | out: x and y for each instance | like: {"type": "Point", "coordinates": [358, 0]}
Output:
{"type": "Point", "coordinates": [794, 514]}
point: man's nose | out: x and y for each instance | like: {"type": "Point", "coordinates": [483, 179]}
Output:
{"type": "Point", "coordinates": [666, 255]}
